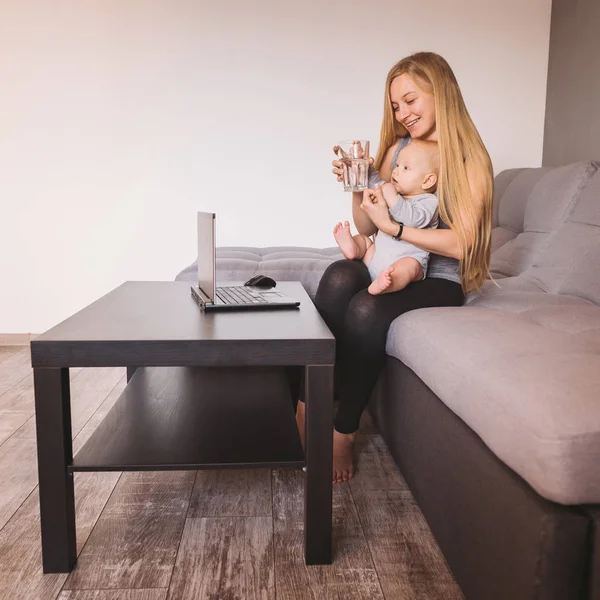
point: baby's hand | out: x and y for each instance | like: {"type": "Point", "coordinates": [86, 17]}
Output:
{"type": "Point", "coordinates": [390, 194]}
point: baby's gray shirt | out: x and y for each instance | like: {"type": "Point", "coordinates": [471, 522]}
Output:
{"type": "Point", "coordinates": [421, 212]}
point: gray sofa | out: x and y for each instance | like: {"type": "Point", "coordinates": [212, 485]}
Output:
{"type": "Point", "coordinates": [492, 410]}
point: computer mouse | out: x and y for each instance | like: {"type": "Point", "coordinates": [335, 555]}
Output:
{"type": "Point", "coordinates": [263, 281]}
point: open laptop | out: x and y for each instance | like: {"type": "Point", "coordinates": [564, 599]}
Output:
{"type": "Point", "coordinates": [211, 297]}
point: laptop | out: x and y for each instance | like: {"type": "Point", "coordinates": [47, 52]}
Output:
{"type": "Point", "coordinates": [240, 297]}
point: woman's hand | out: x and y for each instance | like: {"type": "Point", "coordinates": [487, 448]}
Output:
{"type": "Point", "coordinates": [337, 165]}
{"type": "Point", "coordinates": [374, 205]}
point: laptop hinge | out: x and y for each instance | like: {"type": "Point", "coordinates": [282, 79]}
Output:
{"type": "Point", "coordinates": [204, 297]}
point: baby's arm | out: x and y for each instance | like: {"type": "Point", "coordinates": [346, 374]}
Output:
{"type": "Point", "coordinates": [390, 194]}
{"type": "Point", "coordinates": [420, 212]}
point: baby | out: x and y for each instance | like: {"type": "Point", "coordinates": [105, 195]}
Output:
{"type": "Point", "coordinates": [393, 264]}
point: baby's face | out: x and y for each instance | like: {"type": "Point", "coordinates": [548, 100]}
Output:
{"type": "Point", "coordinates": [410, 172]}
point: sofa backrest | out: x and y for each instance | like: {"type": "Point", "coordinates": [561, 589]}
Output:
{"type": "Point", "coordinates": [547, 228]}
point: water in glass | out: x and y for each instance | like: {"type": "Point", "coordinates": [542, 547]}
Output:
{"type": "Point", "coordinates": [354, 156]}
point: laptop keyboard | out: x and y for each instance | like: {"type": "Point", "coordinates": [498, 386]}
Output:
{"type": "Point", "coordinates": [238, 295]}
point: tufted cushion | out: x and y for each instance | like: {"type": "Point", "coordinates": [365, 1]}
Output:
{"type": "Point", "coordinates": [570, 262]}
{"type": "Point", "coordinates": [286, 263]}
{"type": "Point", "coordinates": [531, 208]}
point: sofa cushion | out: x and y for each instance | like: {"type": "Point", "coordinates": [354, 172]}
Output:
{"type": "Point", "coordinates": [570, 261]}
{"type": "Point", "coordinates": [525, 378]}
{"type": "Point", "coordinates": [287, 263]}
{"type": "Point", "coordinates": [532, 207]}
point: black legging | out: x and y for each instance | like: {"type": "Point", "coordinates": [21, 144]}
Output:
{"type": "Point", "coordinates": [360, 322]}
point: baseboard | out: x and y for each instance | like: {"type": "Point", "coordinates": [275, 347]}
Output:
{"type": "Point", "coordinates": [16, 339]}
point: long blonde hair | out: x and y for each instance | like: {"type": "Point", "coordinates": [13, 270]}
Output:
{"type": "Point", "coordinates": [458, 141]}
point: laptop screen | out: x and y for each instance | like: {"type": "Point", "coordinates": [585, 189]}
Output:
{"type": "Point", "coordinates": [206, 254]}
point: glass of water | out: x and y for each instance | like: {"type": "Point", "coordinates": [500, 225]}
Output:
{"type": "Point", "coordinates": [354, 155]}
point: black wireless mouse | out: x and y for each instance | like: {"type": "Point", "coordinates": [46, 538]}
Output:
{"type": "Point", "coordinates": [263, 281]}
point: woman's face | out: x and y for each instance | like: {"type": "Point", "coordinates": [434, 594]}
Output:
{"type": "Point", "coordinates": [414, 107]}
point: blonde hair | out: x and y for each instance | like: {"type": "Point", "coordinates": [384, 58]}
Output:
{"type": "Point", "coordinates": [458, 141]}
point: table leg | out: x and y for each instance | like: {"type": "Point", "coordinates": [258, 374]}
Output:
{"type": "Point", "coordinates": [319, 461]}
{"type": "Point", "coordinates": [55, 454]}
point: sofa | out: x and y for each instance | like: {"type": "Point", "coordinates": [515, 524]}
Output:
{"type": "Point", "coordinates": [492, 410]}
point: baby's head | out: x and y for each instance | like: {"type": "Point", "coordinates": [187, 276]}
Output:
{"type": "Point", "coordinates": [417, 168]}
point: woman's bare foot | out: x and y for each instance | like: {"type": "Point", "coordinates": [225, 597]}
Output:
{"type": "Point", "coordinates": [300, 420]}
{"type": "Point", "coordinates": [382, 283]}
{"type": "Point", "coordinates": [343, 237]}
{"type": "Point", "coordinates": [343, 465]}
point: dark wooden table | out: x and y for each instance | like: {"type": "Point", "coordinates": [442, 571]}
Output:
{"type": "Point", "coordinates": [212, 393]}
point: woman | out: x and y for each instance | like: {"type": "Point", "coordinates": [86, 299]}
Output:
{"type": "Point", "coordinates": [422, 101]}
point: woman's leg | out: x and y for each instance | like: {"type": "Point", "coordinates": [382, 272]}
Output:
{"type": "Point", "coordinates": [361, 353]}
{"type": "Point", "coordinates": [363, 336]}
{"type": "Point", "coordinates": [340, 282]}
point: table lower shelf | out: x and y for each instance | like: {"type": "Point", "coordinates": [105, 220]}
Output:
{"type": "Point", "coordinates": [174, 418]}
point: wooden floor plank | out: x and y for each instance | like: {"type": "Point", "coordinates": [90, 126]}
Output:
{"type": "Point", "coordinates": [14, 368]}
{"type": "Point", "coordinates": [231, 493]}
{"type": "Point", "coordinates": [375, 467]}
{"type": "Point", "coordinates": [21, 557]}
{"type": "Point", "coordinates": [288, 494]}
{"type": "Point", "coordinates": [409, 563]}
{"type": "Point", "coordinates": [134, 543]}
{"type": "Point", "coordinates": [18, 475]}
{"type": "Point", "coordinates": [225, 558]}
{"type": "Point", "coordinates": [352, 574]}
{"type": "Point", "coordinates": [21, 576]}
{"type": "Point", "coordinates": [88, 391]}
{"type": "Point", "coordinates": [95, 420]}
{"type": "Point", "coordinates": [18, 458]}
{"type": "Point", "coordinates": [8, 351]}
{"type": "Point", "coordinates": [113, 595]}
{"type": "Point", "coordinates": [11, 421]}
{"type": "Point", "coordinates": [17, 406]}
{"type": "Point", "coordinates": [92, 491]}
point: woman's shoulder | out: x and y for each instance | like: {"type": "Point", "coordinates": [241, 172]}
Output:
{"type": "Point", "coordinates": [400, 142]}
{"type": "Point", "coordinates": [394, 149]}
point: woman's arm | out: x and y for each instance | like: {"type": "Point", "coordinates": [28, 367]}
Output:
{"type": "Point", "coordinates": [361, 219]}
{"type": "Point", "coordinates": [439, 241]}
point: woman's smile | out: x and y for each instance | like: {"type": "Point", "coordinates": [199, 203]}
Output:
{"type": "Point", "coordinates": [411, 122]}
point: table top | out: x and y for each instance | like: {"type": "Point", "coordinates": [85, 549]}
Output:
{"type": "Point", "coordinates": [147, 323]}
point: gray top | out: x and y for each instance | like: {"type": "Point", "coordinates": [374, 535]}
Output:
{"type": "Point", "coordinates": [440, 267]}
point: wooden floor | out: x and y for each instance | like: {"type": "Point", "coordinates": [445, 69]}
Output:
{"type": "Point", "coordinates": [218, 535]}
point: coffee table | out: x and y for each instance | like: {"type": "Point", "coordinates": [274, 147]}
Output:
{"type": "Point", "coordinates": [205, 391]}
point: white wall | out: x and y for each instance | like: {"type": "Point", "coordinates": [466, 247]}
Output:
{"type": "Point", "coordinates": [119, 120]}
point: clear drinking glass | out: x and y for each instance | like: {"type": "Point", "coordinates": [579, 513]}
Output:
{"type": "Point", "coordinates": [354, 155]}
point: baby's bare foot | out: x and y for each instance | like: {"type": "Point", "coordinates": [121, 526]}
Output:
{"type": "Point", "coordinates": [343, 237]}
{"type": "Point", "coordinates": [343, 466]}
{"type": "Point", "coordinates": [382, 283]}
